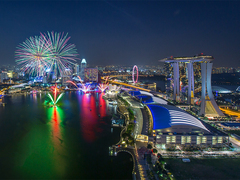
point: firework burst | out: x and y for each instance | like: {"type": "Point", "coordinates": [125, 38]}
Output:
{"type": "Point", "coordinates": [55, 91]}
{"type": "Point", "coordinates": [102, 87]}
{"type": "Point", "coordinates": [47, 51]}
{"type": "Point", "coordinates": [62, 55]}
{"type": "Point", "coordinates": [32, 55]}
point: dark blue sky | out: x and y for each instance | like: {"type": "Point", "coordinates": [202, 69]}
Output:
{"type": "Point", "coordinates": [127, 32]}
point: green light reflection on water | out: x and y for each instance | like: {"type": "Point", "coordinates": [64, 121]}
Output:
{"type": "Point", "coordinates": [43, 154]}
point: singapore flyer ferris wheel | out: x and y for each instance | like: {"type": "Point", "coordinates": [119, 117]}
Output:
{"type": "Point", "coordinates": [133, 78]}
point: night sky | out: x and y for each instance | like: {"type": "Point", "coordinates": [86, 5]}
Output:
{"type": "Point", "coordinates": [127, 32]}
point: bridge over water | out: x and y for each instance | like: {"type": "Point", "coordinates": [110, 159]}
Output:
{"type": "Point", "coordinates": [132, 151]}
{"type": "Point", "coordinates": [125, 84]}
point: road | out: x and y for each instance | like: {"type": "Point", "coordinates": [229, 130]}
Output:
{"type": "Point", "coordinates": [125, 84]}
{"type": "Point", "coordinates": [230, 112]}
{"type": "Point", "coordinates": [235, 142]}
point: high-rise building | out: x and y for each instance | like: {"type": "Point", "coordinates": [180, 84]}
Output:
{"type": "Point", "coordinates": [4, 75]}
{"type": "Point", "coordinates": [192, 75]}
{"type": "Point", "coordinates": [44, 79]}
{"type": "Point", "coordinates": [83, 66]}
{"type": "Point", "coordinates": [83, 63]}
{"type": "Point", "coordinates": [65, 78]}
{"type": "Point", "coordinates": [76, 69]}
{"type": "Point", "coordinates": [90, 74]}
{"type": "Point", "coordinates": [183, 78]}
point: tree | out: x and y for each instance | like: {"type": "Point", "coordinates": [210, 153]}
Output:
{"type": "Point", "coordinates": [130, 140]}
{"type": "Point", "coordinates": [149, 146]}
{"type": "Point", "coordinates": [131, 114]}
{"type": "Point", "coordinates": [130, 128]}
{"type": "Point", "coordinates": [155, 150]}
{"type": "Point", "coordinates": [124, 135]}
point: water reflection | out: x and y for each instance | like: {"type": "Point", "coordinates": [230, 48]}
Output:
{"type": "Point", "coordinates": [93, 108]}
{"type": "Point", "coordinates": [41, 151]}
{"type": "Point", "coordinates": [58, 151]}
{"type": "Point", "coordinates": [88, 116]}
{"type": "Point", "coordinates": [102, 105]}
{"type": "Point", "coordinates": [69, 141]}
{"type": "Point", "coordinates": [34, 97]}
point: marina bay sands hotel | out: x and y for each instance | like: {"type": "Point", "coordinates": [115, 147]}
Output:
{"type": "Point", "coordinates": [208, 105]}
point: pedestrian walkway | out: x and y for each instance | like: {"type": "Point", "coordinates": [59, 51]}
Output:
{"type": "Point", "coordinates": [145, 126]}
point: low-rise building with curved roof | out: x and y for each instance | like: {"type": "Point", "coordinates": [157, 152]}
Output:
{"type": "Point", "coordinates": [172, 125]}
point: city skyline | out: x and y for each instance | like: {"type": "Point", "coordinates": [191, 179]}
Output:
{"type": "Point", "coordinates": [119, 89]}
{"type": "Point", "coordinates": [127, 32]}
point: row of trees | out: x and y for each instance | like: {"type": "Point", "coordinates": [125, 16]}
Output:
{"type": "Point", "coordinates": [150, 120]}
{"type": "Point", "coordinates": [160, 167]}
{"type": "Point", "coordinates": [127, 135]}
{"type": "Point", "coordinates": [123, 100]}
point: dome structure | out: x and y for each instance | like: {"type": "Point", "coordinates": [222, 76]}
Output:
{"type": "Point", "coordinates": [166, 116]}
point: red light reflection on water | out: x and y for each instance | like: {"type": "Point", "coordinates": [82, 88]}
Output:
{"type": "Point", "coordinates": [90, 114]}
{"type": "Point", "coordinates": [55, 127]}
{"type": "Point", "coordinates": [57, 140]}
{"type": "Point", "coordinates": [34, 96]}
{"type": "Point", "coordinates": [102, 105]}
{"type": "Point", "coordinates": [88, 117]}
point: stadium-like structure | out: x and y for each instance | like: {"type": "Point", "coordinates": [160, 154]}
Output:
{"type": "Point", "coordinates": [173, 126]}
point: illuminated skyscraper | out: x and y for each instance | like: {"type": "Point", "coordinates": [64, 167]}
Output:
{"type": "Point", "coordinates": [83, 66]}
{"type": "Point", "coordinates": [83, 63]}
{"type": "Point", "coordinates": [76, 69]}
{"type": "Point", "coordinates": [183, 72]}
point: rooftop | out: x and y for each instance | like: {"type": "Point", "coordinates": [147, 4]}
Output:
{"type": "Point", "coordinates": [197, 58]}
{"type": "Point", "coordinates": [165, 116]}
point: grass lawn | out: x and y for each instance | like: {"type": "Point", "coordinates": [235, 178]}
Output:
{"type": "Point", "coordinates": [234, 132]}
{"type": "Point", "coordinates": [204, 169]}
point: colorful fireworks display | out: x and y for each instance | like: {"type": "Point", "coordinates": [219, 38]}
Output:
{"type": "Point", "coordinates": [54, 99]}
{"type": "Point", "coordinates": [83, 87]}
{"type": "Point", "coordinates": [46, 53]}
{"type": "Point", "coordinates": [102, 87]}
{"type": "Point", "coordinates": [86, 88]}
